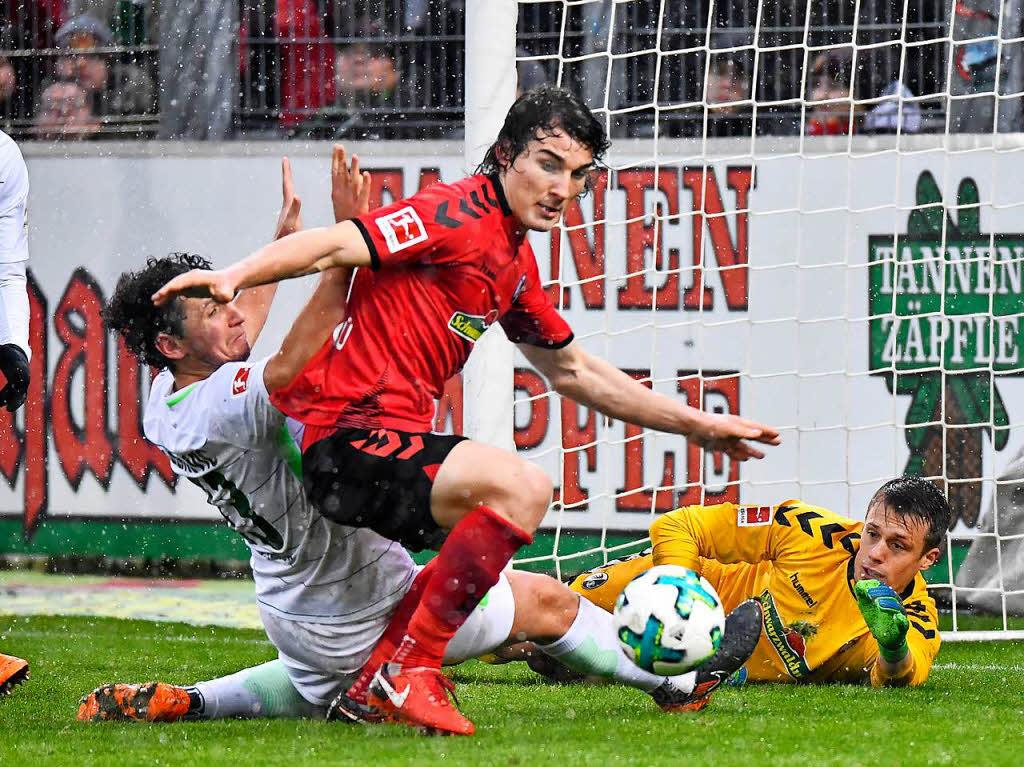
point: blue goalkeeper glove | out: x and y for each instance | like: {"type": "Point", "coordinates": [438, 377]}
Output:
{"type": "Point", "coordinates": [887, 620]}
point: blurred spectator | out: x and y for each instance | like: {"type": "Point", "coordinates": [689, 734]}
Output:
{"type": "Point", "coordinates": [418, 14]}
{"type": "Point", "coordinates": [728, 97]}
{"type": "Point", "coordinates": [34, 20]}
{"type": "Point", "coordinates": [365, 75]}
{"type": "Point", "coordinates": [64, 112]}
{"type": "Point", "coordinates": [887, 117]}
{"type": "Point", "coordinates": [115, 87]}
{"type": "Point", "coordinates": [15, 76]}
{"type": "Point", "coordinates": [307, 61]}
{"type": "Point", "coordinates": [986, 64]}
{"type": "Point", "coordinates": [8, 81]}
{"type": "Point", "coordinates": [728, 86]}
{"type": "Point", "coordinates": [833, 110]}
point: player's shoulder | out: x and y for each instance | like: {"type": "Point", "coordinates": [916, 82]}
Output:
{"type": "Point", "coordinates": [921, 608]}
{"type": "Point", "coordinates": [195, 412]}
{"type": "Point", "coordinates": [12, 166]}
{"type": "Point", "coordinates": [10, 153]}
{"type": "Point", "coordinates": [233, 379]}
{"type": "Point", "coordinates": [916, 596]}
{"type": "Point", "coordinates": [465, 202]}
{"type": "Point", "coordinates": [820, 526]}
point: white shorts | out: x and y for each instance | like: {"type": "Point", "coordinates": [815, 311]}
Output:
{"type": "Point", "coordinates": [324, 659]}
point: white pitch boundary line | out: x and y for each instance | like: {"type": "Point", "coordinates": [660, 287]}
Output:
{"type": "Point", "coordinates": [237, 640]}
{"type": "Point", "coordinates": [977, 667]}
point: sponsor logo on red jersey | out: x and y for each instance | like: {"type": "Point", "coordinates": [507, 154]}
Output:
{"type": "Point", "coordinates": [402, 228]}
{"type": "Point", "coordinates": [241, 383]}
{"type": "Point", "coordinates": [471, 326]}
{"type": "Point", "coordinates": [754, 516]}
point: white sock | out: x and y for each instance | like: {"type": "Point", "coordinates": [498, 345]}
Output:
{"type": "Point", "coordinates": [263, 691]}
{"type": "Point", "coordinates": [591, 647]}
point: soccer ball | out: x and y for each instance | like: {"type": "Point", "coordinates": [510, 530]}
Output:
{"type": "Point", "coordinates": [669, 620]}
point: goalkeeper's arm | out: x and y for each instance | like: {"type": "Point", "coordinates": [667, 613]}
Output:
{"type": "Point", "coordinates": [898, 663]}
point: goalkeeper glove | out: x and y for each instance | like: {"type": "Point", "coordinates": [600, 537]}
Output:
{"type": "Point", "coordinates": [14, 366]}
{"type": "Point", "coordinates": [887, 620]}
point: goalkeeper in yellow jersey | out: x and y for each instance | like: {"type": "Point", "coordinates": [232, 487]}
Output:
{"type": "Point", "coordinates": [842, 601]}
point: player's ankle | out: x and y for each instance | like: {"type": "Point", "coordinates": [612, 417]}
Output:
{"type": "Point", "coordinates": [413, 653]}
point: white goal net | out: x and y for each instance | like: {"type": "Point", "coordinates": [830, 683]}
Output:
{"type": "Point", "coordinates": [813, 216]}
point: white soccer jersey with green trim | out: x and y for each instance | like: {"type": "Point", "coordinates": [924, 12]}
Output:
{"type": "Point", "coordinates": [13, 202]}
{"type": "Point", "coordinates": [223, 434]}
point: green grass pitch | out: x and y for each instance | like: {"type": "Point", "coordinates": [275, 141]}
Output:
{"type": "Point", "coordinates": [970, 713]}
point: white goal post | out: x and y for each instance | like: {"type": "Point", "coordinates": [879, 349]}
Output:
{"type": "Point", "coordinates": [815, 221]}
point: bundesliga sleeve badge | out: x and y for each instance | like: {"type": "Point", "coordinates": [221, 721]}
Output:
{"type": "Point", "coordinates": [402, 228]}
{"type": "Point", "coordinates": [753, 516]}
{"type": "Point", "coordinates": [240, 384]}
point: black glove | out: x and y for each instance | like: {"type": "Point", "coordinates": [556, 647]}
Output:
{"type": "Point", "coordinates": [14, 366]}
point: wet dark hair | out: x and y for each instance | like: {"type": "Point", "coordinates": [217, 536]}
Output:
{"type": "Point", "coordinates": [920, 499]}
{"type": "Point", "coordinates": [543, 110]}
{"type": "Point", "coordinates": [132, 313]}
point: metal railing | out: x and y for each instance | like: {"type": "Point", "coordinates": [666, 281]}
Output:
{"type": "Point", "coordinates": [85, 79]}
{"type": "Point", "coordinates": [360, 69]}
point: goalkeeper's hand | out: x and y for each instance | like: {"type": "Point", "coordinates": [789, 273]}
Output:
{"type": "Point", "coordinates": [887, 620]}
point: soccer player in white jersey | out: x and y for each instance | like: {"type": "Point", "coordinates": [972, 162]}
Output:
{"type": "Point", "coordinates": [326, 592]}
{"type": "Point", "coordinates": [15, 352]}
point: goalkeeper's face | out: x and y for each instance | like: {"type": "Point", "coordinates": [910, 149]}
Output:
{"type": "Point", "coordinates": [546, 176]}
{"type": "Point", "coordinates": [892, 548]}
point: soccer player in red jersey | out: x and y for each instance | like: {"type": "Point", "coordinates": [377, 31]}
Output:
{"type": "Point", "coordinates": [443, 265]}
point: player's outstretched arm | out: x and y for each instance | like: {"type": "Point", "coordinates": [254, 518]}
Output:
{"type": "Point", "coordinates": [255, 303]}
{"type": "Point", "coordinates": [575, 373]}
{"type": "Point", "coordinates": [314, 250]}
{"type": "Point", "coordinates": [326, 308]}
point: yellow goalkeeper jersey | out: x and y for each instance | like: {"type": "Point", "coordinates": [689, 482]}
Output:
{"type": "Point", "coordinates": [797, 560]}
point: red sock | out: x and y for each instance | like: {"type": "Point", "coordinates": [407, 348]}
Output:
{"type": "Point", "coordinates": [468, 564]}
{"type": "Point", "coordinates": [392, 636]}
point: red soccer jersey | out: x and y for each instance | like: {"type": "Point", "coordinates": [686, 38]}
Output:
{"type": "Point", "coordinates": [445, 263]}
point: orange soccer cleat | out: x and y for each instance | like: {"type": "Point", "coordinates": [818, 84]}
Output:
{"type": "Point", "coordinates": [150, 702]}
{"type": "Point", "coordinates": [418, 697]}
{"type": "Point", "coordinates": [13, 671]}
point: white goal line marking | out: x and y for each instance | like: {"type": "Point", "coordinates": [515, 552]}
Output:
{"type": "Point", "coordinates": [977, 667]}
{"type": "Point", "coordinates": [237, 640]}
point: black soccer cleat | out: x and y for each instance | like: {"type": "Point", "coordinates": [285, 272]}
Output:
{"type": "Point", "coordinates": [742, 632]}
{"type": "Point", "coordinates": [347, 709]}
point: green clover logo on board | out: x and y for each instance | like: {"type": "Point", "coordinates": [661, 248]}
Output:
{"type": "Point", "coordinates": [945, 302]}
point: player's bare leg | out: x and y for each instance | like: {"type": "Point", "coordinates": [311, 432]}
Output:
{"type": "Point", "coordinates": [13, 671]}
{"type": "Point", "coordinates": [579, 635]}
{"type": "Point", "coordinates": [491, 500]}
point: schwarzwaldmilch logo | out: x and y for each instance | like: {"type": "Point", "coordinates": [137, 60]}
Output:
{"type": "Point", "coordinates": [945, 306]}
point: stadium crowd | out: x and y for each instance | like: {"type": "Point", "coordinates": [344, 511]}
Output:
{"type": "Point", "coordinates": [84, 69]}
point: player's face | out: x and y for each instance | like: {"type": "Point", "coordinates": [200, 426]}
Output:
{"type": "Point", "coordinates": [542, 181]}
{"type": "Point", "coordinates": [892, 548]}
{"type": "Point", "coordinates": [213, 332]}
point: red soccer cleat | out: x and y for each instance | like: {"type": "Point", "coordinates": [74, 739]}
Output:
{"type": "Point", "coordinates": [418, 697]}
{"type": "Point", "coordinates": [150, 702]}
{"type": "Point", "coordinates": [13, 671]}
